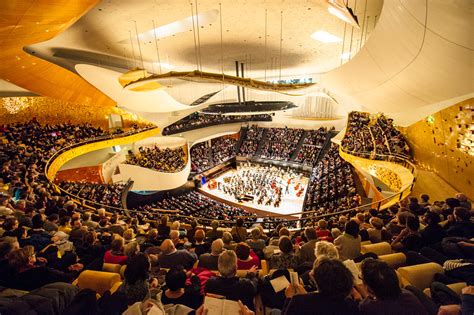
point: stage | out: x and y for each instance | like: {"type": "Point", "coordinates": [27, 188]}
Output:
{"type": "Point", "coordinates": [291, 195]}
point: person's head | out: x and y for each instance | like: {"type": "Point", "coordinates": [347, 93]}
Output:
{"type": "Point", "coordinates": [285, 245]}
{"type": "Point", "coordinates": [360, 218]}
{"type": "Point", "coordinates": [333, 279]}
{"type": "Point", "coordinates": [424, 197]}
{"type": "Point", "coordinates": [310, 233]}
{"type": "Point", "coordinates": [326, 249]}
{"type": "Point", "coordinates": [167, 247]}
{"type": "Point", "coordinates": [137, 269]}
{"type": "Point", "coordinates": [175, 279]}
{"type": "Point", "coordinates": [377, 223]}
{"type": "Point", "coordinates": [461, 197]}
{"type": "Point", "coordinates": [22, 257]}
{"type": "Point", "coordinates": [89, 238]}
{"type": "Point", "coordinates": [217, 247]}
{"type": "Point", "coordinates": [10, 224]}
{"type": "Point", "coordinates": [65, 221]}
{"type": "Point", "coordinates": [131, 249]}
{"type": "Point", "coordinates": [335, 232]}
{"type": "Point", "coordinates": [452, 202]}
{"type": "Point", "coordinates": [380, 279]}
{"type": "Point", "coordinates": [227, 238]}
{"type": "Point", "coordinates": [77, 224]}
{"type": "Point", "coordinates": [199, 235]}
{"type": "Point", "coordinates": [128, 235]}
{"type": "Point", "coordinates": [113, 219]}
{"type": "Point", "coordinates": [373, 212]}
{"type": "Point", "coordinates": [37, 221]}
{"type": "Point", "coordinates": [53, 218]}
{"type": "Point", "coordinates": [240, 222]}
{"type": "Point", "coordinates": [175, 225]}
{"type": "Point", "coordinates": [117, 244]}
{"type": "Point", "coordinates": [174, 235]}
{"type": "Point", "coordinates": [413, 224]}
{"type": "Point", "coordinates": [152, 234]}
{"type": "Point", "coordinates": [101, 212]}
{"type": "Point", "coordinates": [284, 232]}
{"type": "Point", "coordinates": [352, 228]}
{"type": "Point", "coordinates": [431, 218]}
{"type": "Point", "coordinates": [86, 216]}
{"type": "Point", "coordinates": [164, 220]}
{"type": "Point", "coordinates": [242, 250]}
{"type": "Point", "coordinates": [462, 214]}
{"type": "Point", "coordinates": [193, 224]}
{"type": "Point", "coordinates": [227, 263]}
{"type": "Point", "coordinates": [256, 233]}
{"type": "Point", "coordinates": [214, 224]}
{"type": "Point", "coordinates": [7, 245]}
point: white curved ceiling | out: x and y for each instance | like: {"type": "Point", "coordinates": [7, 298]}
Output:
{"type": "Point", "coordinates": [420, 53]}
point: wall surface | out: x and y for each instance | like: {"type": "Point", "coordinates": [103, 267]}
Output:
{"type": "Point", "coordinates": [54, 111]}
{"type": "Point", "coordinates": [435, 139]}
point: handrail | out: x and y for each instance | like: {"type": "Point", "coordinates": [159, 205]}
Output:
{"type": "Point", "coordinates": [304, 215]}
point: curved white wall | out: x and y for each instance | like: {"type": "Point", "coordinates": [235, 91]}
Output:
{"type": "Point", "coordinates": [420, 53]}
{"type": "Point", "coordinates": [149, 180]}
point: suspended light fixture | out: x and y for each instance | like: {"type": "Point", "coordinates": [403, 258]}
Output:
{"type": "Point", "coordinates": [343, 12]}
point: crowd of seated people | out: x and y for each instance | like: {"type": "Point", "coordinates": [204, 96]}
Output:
{"type": "Point", "coordinates": [205, 156]}
{"type": "Point", "coordinates": [332, 185]}
{"type": "Point", "coordinates": [194, 203]}
{"type": "Point", "coordinates": [250, 143]}
{"type": "Point", "coordinates": [167, 264]}
{"type": "Point", "coordinates": [373, 135]}
{"type": "Point", "coordinates": [388, 177]}
{"type": "Point", "coordinates": [312, 144]}
{"type": "Point", "coordinates": [280, 143]}
{"type": "Point", "coordinates": [358, 137]}
{"type": "Point", "coordinates": [162, 160]}
{"type": "Point", "coordinates": [200, 120]}
{"type": "Point", "coordinates": [103, 194]}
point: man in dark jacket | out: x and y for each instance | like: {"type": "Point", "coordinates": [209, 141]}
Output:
{"type": "Point", "coordinates": [230, 286]}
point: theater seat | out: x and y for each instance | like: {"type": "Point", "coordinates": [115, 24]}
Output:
{"type": "Point", "coordinates": [115, 268]}
{"type": "Point", "coordinates": [456, 287]}
{"type": "Point", "coordinates": [99, 281]}
{"type": "Point", "coordinates": [420, 276]}
{"type": "Point", "coordinates": [394, 260]}
{"type": "Point", "coordinates": [382, 248]}
{"type": "Point", "coordinates": [122, 271]}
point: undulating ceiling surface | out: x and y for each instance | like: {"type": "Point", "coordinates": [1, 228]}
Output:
{"type": "Point", "coordinates": [107, 36]}
{"type": "Point", "coordinates": [420, 54]}
{"type": "Point", "coordinates": [26, 22]}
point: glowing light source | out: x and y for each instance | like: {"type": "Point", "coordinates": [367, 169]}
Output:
{"type": "Point", "coordinates": [325, 37]}
{"type": "Point", "coordinates": [14, 105]}
{"type": "Point", "coordinates": [430, 119]}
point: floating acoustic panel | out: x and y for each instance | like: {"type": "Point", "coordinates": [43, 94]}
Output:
{"type": "Point", "coordinates": [209, 77]}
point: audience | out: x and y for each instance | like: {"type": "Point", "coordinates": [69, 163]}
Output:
{"type": "Point", "coordinates": [200, 120]}
{"type": "Point", "coordinates": [206, 155]}
{"type": "Point", "coordinates": [46, 238]}
{"type": "Point", "coordinates": [161, 160]}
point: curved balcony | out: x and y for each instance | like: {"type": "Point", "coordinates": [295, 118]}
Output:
{"type": "Point", "coordinates": [67, 153]}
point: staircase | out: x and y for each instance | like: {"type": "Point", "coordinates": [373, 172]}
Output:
{"type": "Point", "coordinates": [298, 146]}
{"type": "Point", "coordinates": [326, 145]}
{"type": "Point", "coordinates": [262, 143]}
{"type": "Point", "coordinates": [243, 134]}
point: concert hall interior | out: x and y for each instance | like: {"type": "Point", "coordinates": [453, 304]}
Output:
{"type": "Point", "coordinates": [244, 157]}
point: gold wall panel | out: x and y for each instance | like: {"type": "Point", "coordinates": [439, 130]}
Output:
{"type": "Point", "coordinates": [434, 143]}
{"type": "Point", "coordinates": [54, 111]}
{"type": "Point", "coordinates": [27, 22]}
